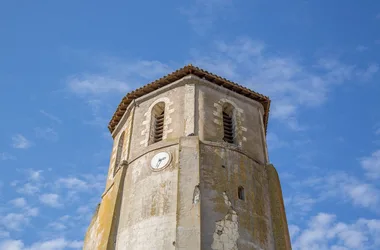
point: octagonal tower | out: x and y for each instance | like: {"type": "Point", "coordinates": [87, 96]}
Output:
{"type": "Point", "coordinates": [189, 169]}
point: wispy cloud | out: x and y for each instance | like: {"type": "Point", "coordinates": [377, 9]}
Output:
{"type": "Point", "coordinates": [325, 232]}
{"type": "Point", "coordinates": [33, 183]}
{"type": "Point", "coordinates": [18, 202]}
{"type": "Point", "coordinates": [28, 189]}
{"type": "Point", "coordinates": [291, 83]}
{"type": "Point", "coordinates": [361, 48]}
{"type": "Point", "coordinates": [52, 200]}
{"type": "Point", "coordinates": [52, 244]}
{"type": "Point", "coordinates": [377, 132]}
{"type": "Point", "coordinates": [97, 107]}
{"type": "Point", "coordinates": [16, 221]}
{"type": "Point", "coordinates": [341, 185]}
{"type": "Point", "coordinates": [34, 175]}
{"type": "Point", "coordinates": [95, 84]}
{"type": "Point", "coordinates": [274, 142]}
{"type": "Point", "coordinates": [19, 141]}
{"type": "Point", "coordinates": [6, 156]}
{"type": "Point", "coordinates": [372, 165]}
{"type": "Point", "coordinates": [202, 15]}
{"type": "Point", "coordinates": [51, 117]}
{"type": "Point", "coordinates": [300, 203]}
{"type": "Point", "coordinates": [48, 134]}
{"type": "Point", "coordinates": [115, 76]}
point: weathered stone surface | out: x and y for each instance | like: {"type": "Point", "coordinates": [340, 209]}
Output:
{"type": "Point", "coordinates": [192, 203]}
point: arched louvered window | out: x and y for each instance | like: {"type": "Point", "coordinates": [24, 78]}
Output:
{"type": "Point", "coordinates": [119, 152]}
{"type": "Point", "coordinates": [157, 125]}
{"type": "Point", "coordinates": [228, 124]}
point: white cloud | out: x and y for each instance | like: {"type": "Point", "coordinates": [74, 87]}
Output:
{"type": "Point", "coordinates": [11, 245]}
{"type": "Point", "coordinates": [53, 244]}
{"type": "Point", "coordinates": [95, 84]}
{"type": "Point", "coordinates": [372, 165]}
{"type": "Point", "coordinates": [6, 156]}
{"type": "Point", "coordinates": [340, 185]}
{"type": "Point", "coordinates": [57, 226]}
{"type": "Point", "coordinates": [15, 221]}
{"type": "Point", "coordinates": [52, 200]}
{"type": "Point", "coordinates": [368, 73]}
{"type": "Point", "coordinates": [325, 232]}
{"type": "Point", "coordinates": [299, 204]}
{"type": "Point", "coordinates": [73, 183]}
{"type": "Point", "coordinates": [34, 175]}
{"type": "Point", "coordinates": [293, 231]}
{"type": "Point", "coordinates": [34, 183]}
{"type": "Point", "coordinates": [48, 134]}
{"type": "Point", "coordinates": [203, 14]}
{"type": "Point", "coordinates": [51, 117]}
{"type": "Point", "coordinates": [18, 202]}
{"type": "Point", "coordinates": [290, 82]}
{"type": "Point", "coordinates": [116, 76]}
{"type": "Point", "coordinates": [31, 211]}
{"type": "Point", "coordinates": [28, 188]}
{"type": "Point", "coordinates": [19, 141]}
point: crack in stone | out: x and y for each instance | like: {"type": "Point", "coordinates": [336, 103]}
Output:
{"type": "Point", "coordinates": [226, 230]}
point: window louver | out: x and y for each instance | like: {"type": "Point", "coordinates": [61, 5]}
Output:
{"type": "Point", "coordinates": [159, 127]}
{"type": "Point", "coordinates": [228, 128]}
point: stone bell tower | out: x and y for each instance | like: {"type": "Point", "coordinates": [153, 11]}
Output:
{"type": "Point", "coordinates": [189, 169]}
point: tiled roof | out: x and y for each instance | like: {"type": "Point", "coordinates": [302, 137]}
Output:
{"type": "Point", "coordinates": [178, 74]}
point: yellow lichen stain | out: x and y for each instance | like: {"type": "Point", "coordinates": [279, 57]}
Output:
{"type": "Point", "coordinates": [160, 203]}
{"type": "Point", "coordinates": [153, 208]}
{"type": "Point", "coordinates": [105, 217]}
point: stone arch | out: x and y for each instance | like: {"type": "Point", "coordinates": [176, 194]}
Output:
{"type": "Point", "coordinates": [157, 122]}
{"type": "Point", "coordinates": [146, 124]}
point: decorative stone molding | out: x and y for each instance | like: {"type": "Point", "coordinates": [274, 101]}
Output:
{"type": "Point", "coordinates": [147, 123]}
{"type": "Point", "coordinates": [237, 116]}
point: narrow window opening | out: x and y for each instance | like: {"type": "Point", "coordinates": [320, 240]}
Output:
{"type": "Point", "coordinates": [159, 127]}
{"type": "Point", "coordinates": [228, 124]}
{"type": "Point", "coordinates": [119, 152]}
{"type": "Point", "coordinates": [158, 120]}
{"type": "Point", "coordinates": [223, 166]}
{"type": "Point", "coordinates": [241, 193]}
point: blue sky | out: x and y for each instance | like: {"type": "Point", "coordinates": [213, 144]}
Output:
{"type": "Point", "coordinates": [65, 65]}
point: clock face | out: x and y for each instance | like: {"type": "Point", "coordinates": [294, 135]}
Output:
{"type": "Point", "coordinates": [160, 160]}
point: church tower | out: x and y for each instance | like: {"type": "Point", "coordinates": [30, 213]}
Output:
{"type": "Point", "coordinates": [189, 169]}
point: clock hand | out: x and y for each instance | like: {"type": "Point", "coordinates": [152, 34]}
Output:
{"type": "Point", "coordinates": [158, 163]}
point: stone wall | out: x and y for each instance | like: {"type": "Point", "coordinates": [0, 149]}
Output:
{"type": "Point", "coordinates": [193, 203]}
{"type": "Point", "coordinates": [229, 222]}
{"type": "Point", "coordinates": [249, 130]}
